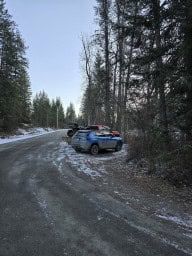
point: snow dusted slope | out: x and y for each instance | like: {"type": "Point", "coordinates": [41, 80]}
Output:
{"type": "Point", "coordinates": [26, 134]}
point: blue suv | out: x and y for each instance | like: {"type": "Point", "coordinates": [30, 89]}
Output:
{"type": "Point", "coordinates": [94, 141]}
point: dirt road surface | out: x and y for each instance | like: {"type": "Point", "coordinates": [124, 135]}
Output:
{"type": "Point", "coordinates": [56, 202]}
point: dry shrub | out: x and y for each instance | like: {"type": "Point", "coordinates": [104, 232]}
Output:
{"type": "Point", "coordinates": [136, 148]}
{"type": "Point", "coordinates": [174, 165]}
{"type": "Point", "coordinates": [177, 166]}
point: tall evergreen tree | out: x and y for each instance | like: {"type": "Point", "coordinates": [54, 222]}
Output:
{"type": "Point", "coordinates": [60, 113]}
{"type": "Point", "coordinates": [14, 80]}
{"type": "Point", "coordinates": [70, 115]}
{"type": "Point", "coordinates": [41, 109]}
{"type": "Point", "coordinates": [103, 14]}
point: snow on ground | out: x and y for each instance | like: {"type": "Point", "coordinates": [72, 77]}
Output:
{"type": "Point", "coordinates": [81, 162]}
{"type": "Point", "coordinates": [180, 221]}
{"type": "Point", "coordinates": [93, 166]}
{"type": "Point", "coordinates": [86, 163]}
{"type": "Point", "coordinates": [26, 134]}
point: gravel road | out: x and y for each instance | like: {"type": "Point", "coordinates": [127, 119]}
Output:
{"type": "Point", "coordinates": [48, 208]}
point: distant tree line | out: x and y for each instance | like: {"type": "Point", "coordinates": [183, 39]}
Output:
{"type": "Point", "coordinates": [138, 68]}
{"type": "Point", "coordinates": [47, 113]}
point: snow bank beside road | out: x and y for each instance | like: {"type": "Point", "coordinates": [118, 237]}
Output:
{"type": "Point", "coordinates": [26, 134]}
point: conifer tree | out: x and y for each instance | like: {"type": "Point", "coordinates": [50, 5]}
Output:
{"type": "Point", "coordinates": [70, 115]}
{"type": "Point", "coordinates": [14, 80]}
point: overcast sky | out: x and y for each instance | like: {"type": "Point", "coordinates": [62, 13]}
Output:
{"type": "Point", "coordinates": [52, 31]}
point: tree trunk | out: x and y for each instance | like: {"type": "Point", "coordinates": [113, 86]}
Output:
{"type": "Point", "coordinates": [107, 63]}
{"type": "Point", "coordinates": [159, 81]}
{"type": "Point", "coordinates": [127, 82]}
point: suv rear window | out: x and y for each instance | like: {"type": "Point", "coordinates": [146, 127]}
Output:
{"type": "Point", "coordinates": [82, 133]}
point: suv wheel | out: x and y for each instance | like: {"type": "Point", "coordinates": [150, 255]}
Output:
{"type": "Point", "coordinates": [118, 146]}
{"type": "Point", "coordinates": [70, 133]}
{"type": "Point", "coordinates": [94, 150]}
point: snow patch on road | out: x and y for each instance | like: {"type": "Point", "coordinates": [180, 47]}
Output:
{"type": "Point", "coordinates": [81, 162]}
{"type": "Point", "coordinates": [40, 200]}
{"type": "Point", "coordinates": [189, 235]}
{"type": "Point", "coordinates": [178, 220]}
